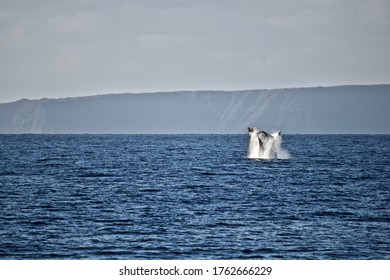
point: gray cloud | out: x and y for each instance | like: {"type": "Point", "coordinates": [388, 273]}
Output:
{"type": "Point", "coordinates": [73, 48]}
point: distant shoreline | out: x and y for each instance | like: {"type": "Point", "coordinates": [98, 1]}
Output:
{"type": "Point", "coordinates": [350, 109]}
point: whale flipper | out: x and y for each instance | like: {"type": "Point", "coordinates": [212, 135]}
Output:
{"type": "Point", "coordinates": [277, 134]}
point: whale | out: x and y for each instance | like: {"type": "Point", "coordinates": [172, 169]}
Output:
{"type": "Point", "coordinates": [263, 144]}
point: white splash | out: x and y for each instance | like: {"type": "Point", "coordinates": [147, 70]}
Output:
{"type": "Point", "coordinates": [265, 146]}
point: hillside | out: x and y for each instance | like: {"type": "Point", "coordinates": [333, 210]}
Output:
{"type": "Point", "coordinates": [341, 109]}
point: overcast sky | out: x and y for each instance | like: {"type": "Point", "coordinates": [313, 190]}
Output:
{"type": "Point", "coordinates": [76, 48]}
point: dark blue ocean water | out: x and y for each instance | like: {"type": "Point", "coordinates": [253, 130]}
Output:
{"type": "Point", "coordinates": [193, 197]}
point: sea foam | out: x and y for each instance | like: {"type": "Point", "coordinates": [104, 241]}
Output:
{"type": "Point", "coordinates": [269, 148]}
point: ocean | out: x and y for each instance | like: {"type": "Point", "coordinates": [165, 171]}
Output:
{"type": "Point", "coordinates": [193, 197]}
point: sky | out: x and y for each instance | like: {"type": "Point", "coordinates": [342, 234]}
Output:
{"type": "Point", "coordinates": [55, 49]}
